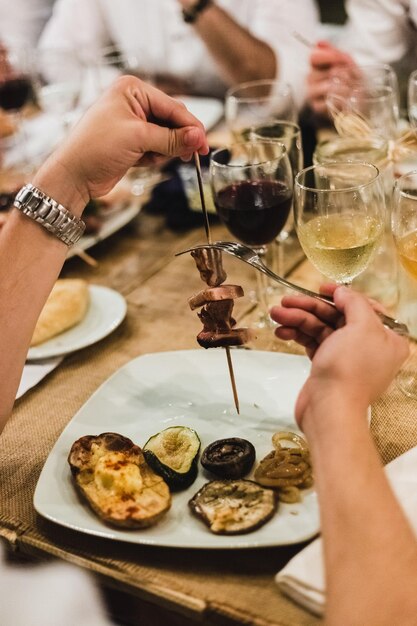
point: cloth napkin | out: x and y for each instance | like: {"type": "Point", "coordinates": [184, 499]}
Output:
{"type": "Point", "coordinates": [303, 578]}
{"type": "Point", "coordinates": [33, 373]}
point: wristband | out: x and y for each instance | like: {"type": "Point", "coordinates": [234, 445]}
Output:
{"type": "Point", "coordinates": [190, 15]}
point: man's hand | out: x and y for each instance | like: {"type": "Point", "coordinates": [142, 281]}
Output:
{"type": "Point", "coordinates": [131, 122]}
{"type": "Point", "coordinates": [353, 354]}
{"type": "Point", "coordinates": [326, 62]}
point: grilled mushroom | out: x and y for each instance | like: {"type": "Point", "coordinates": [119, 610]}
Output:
{"type": "Point", "coordinates": [229, 458]}
{"type": "Point", "coordinates": [233, 507]}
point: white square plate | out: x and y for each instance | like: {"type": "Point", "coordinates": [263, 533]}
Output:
{"type": "Point", "coordinates": [189, 388]}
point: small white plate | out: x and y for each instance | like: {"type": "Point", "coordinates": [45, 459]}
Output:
{"type": "Point", "coordinates": [208, 110]}
{"type": "Point", "coordinates": [106, 311]}
{"type": "Point", "coordinates": [189, 388]}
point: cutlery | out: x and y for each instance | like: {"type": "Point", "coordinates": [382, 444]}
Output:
{"type": "Point", "coordinates": [247, 255]}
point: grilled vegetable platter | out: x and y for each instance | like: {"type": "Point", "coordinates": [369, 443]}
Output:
{"type": "Point", "coordinates": [134, 486]}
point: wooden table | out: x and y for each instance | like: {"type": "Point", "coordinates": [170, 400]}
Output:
{"type": "Point", "coordinates": [209, 588]}
{"type": "Point", "coordinates": [150, 585]}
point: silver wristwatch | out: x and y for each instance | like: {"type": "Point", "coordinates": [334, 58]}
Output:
{"type": "Point", "coordinates": [50, 214]}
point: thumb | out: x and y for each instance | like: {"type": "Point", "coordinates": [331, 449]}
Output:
{"type": "Point", "coordinates": [172, 141]}
{"type": "Point", "coordinates": [355, 306]}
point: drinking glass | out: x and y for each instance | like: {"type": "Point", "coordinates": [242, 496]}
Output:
{"type": "Point", "coordinates": [404, 229]}
{"type": "Point", "coordinates": [379, 280]}
{"type": "Point", "coordinates": [369, 97]}
{"type": "Point", "coordinates": [255, 103]}
{"type": "Point", "coordinates": [288, 133]}
{"type": "Point", "coordinates": [16, 91]}
{"type": "Point", "coordinates": [339, 214]}
{"type": "Point", "coordinates": [59, 81]}
{"type": "Point", "coordinates": [412, 99]}
{"type": "Point", "coordinates": [252, 188]}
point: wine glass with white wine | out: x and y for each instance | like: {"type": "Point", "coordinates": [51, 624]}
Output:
{"type": "Point", "coordinates": [339, 213]}
{"type": "Point", "coordinates": [404, 230]}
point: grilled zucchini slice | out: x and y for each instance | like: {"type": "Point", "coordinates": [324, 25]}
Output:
{"type": "Point", "coordinates": [173, 454]}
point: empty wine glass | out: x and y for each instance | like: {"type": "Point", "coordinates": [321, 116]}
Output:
{"type": "Point", "coordinates": [252, 188]}
{"type": "Point", "coordinates": [404, 229]}
{"type": "Point", "coordinates": [365, 101]}
{"type": "Point", "coordinates": [255, 103]}
{"type": "Point", "coordinates": [339, 213]}
{"type": "Point", "coordinates": [59, 80]}
{"type": "Point", "coordinates": [412, 99]}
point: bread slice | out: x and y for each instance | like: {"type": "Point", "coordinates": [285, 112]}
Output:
{"type": "Point", "coordinates": [66, 306]}
{"type": "Point", "coordinates": [110, 471]}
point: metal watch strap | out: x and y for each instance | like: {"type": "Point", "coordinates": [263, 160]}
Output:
{"type": "Point", "coordinates": [50, 214]}
{"type": "Point", "coordinates": [190, 15]}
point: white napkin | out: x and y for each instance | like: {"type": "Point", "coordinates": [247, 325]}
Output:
{"type": "Point", "coordinates": [302, 579]}
{"type": "Point", "coordinates": [33, 373]}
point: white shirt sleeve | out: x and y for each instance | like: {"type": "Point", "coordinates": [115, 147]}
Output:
{"type": "Point", "coordinates": [274, 21]}
{"type": "Point", "coordinates": [51, 595]}
{"type": "Point", "coordinates": [378, 30]}
{"type": "Point", "coordinates": [76, 25]}
{"type": "Point", "coordinates": [22, 21]}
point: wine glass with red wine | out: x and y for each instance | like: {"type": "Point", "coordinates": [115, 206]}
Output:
{"type": "Point", "coordinates": [252, 188]}
{"type": "Point", "coordinates": [16, 91]}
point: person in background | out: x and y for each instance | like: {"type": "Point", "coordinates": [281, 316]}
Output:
{"type": "Point", "coordinates": [370, 551]}
{"type": "Point", "coordinates": [197, 46]}
{"type": "Point", "coordinates": [377, 31]}
{"type": "Point", "coordinates": [22, 21]}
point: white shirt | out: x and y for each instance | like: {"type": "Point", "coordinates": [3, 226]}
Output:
{"type": "Point", "coordinates": [22, 21]}
{"type": "Point", "coordinates": [155, 31]}
{"type": "Point", "coordinates": [48, 595]}
{"type": "Point", "coordinates": [380, 31]}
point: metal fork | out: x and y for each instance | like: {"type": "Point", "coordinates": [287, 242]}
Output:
{"type": "Point", "coordinates": [246, 254]}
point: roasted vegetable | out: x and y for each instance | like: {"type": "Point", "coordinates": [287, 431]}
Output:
{"type": "Point", "coordinates": [287, 469]}
{"type": "Point", "coordinates": [229, 458]}
{"type": "Point", "coordinates": [233, 507]}
{"type": "Point", "coordinates": [173, 453]}
{"type": "Point", "coordinates": [111, 473]}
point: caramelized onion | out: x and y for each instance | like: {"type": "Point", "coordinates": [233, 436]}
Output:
{"type": "Point", "coordinates": [287, 469]}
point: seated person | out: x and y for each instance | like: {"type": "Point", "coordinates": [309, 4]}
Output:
{"type": "Point", "coordinates": [370, 551]}
{"type": "Point", "coordinates": [217, 45]}
{"type": "Point", "coordinates": [377, 31]}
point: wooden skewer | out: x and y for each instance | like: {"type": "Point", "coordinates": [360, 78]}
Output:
{"type": "Point", "coordinates": [208, 235]}
{"type": "Point", "coordinates": [201, 190]}
{"type": "Point", "coordinates": [232, 378]}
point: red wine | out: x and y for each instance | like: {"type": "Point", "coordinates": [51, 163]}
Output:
{"type": "Point", "coordinates": [14, 93]}
{"type": "Point", "coordinates": [254, 211]}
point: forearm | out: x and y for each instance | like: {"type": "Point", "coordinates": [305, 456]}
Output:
{"type": "Point", "coordinates": [30, 261]}
{"type": "Point", "coordinates": [240, 56]}
{"type": "Point", "coordinates": [369, 549]}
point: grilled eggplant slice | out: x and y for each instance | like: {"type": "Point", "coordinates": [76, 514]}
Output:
{"type": "Point", "coordinates": [173, 454]}
{"type": "Point", "coordinates": [229, 458]}
{"type": "Point", "coordinates": [111, 473]}
{"type": "Point", "coordinates": [233, 507]}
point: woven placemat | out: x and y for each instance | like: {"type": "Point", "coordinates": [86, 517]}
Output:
{"type": "Point", "coordinates": [221, 587]}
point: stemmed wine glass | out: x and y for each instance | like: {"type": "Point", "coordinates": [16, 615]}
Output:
{"type": "Point", "coordinates": [288, 133]}
{"type": "Point", "coordinates": [412, 99]}
{"type": "Point", "coordinates": [257, 102]}
{"type": "Point", "coordinates": [252, 188]}
{"type": "Point", "coordinates": [339, 213]}
{"type": "Point", "coordinates": [404, 229]}
{"type": "Point", "coordinates": [16, 91]}
{"type": "Point", "coordinates": [365, 102]}
{"type": "Point", "coordinates": [59, 82]}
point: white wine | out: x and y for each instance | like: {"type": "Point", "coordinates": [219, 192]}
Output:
{"type": "Point", "coordinates": [407, 251]}
{"type": "Point", "coordinates": [341, 246]}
